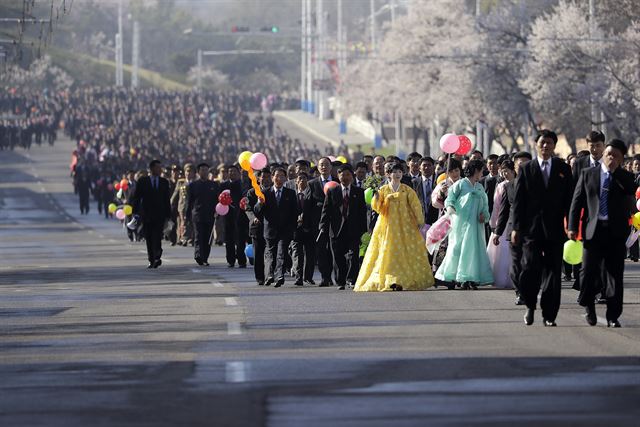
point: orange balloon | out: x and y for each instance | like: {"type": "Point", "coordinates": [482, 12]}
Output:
{"type": "Point", "coordinates": [441, 178]}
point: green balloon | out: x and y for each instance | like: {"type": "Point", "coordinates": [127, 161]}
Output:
{"type": "Point", "coordinates": [572, 253]}
{"type": "Point", "coordinates": [368, 195]}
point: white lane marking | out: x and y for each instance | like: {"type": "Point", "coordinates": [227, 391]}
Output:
{"type": "Point", "coordinates": [102, 237]}
{"type": "Point", "coordinates": [113, 241]}
{"type": "Point", "coordinates": [231, 301]}
{"type": "Point", "coordinates": [90, 231]}
{"type": "Point", "coordinates": [142, 252]}
{"type": "Point", "coordinates": [236, 372]}
{"type": "Point", "coordinates": [44, 190]}
{"type": "Point", "coordinates": [196, 270]}
{"type": "Point", "coordinates": [217, 284]}
{"type": "Point", "coordinates": [234, 328]}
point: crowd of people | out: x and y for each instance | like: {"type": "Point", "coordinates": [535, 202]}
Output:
{"type": "Point", "coordinates": [28, 117]}
{"type": "Point", "coordinates": [362, 221]}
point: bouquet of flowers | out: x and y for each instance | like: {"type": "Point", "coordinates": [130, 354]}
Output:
{"type": "Point", "coordinates": [374, 182]}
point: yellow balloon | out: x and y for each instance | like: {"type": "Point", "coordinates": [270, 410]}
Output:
{"type": "Point", "coordinates": [635, 220]}
{"type": "Point", "coordinates": [441, 178]}
{"type": "Point", "coordinates": [245, 160]}
{"type": "Point", "coordinates": [112, 208]}
{"type": "Point", "coordinates": [128, 210]}
{"type": "Point", "coordinates": [341, 159]}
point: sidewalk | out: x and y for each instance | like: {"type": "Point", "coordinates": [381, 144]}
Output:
{"type": "Point", "coordinates": [325, 130]}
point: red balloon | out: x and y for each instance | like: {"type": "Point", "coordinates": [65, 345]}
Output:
{"type": "Point", "coordinates": [117, 186]}
{"type": "Point", "coordinates": [465, 145]}
{"type": "Point", "coordinates": [329, 185]}
{"type": "Point", "coordinates": [225, 199]}
{"type": "Point", "coordinates": [243, 203]}
{"type": "Point", "coordinates": [638, 193]}
{"type": "Point", "coordinates": [124, 184]}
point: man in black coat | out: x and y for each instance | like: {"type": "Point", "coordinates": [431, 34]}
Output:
{"type": "Point", "coordinates": [280, 212]}
{"type": "Point", "coordinates": [235, 225]}
{"type": "Point", "coordinates": [606, 195]}
{"type": "Point", "coordinates": [323, 246]}
{"type": "Point", "coordinates": [423, 186]}
{"type": "Point", "coordinates": [304, 238]}
{"type": "Point", "coordinates": [201, 204]}
{"type": "Point", "coordinates": [344, 220]}
{"type": "Point", "coordinates": [256, 225]}
{"type": "Point", "coordinates": [595, 142]}
{"type": "Point", "coordinates": [151, 203]}
{"type": "Point", "coordinates": [543, 192]}
{"type": "Point", "coordinates": [505, 223]}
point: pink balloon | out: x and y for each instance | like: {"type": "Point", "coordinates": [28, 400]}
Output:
{"type": "Point", "coordinates": [638, 204]}
{"type": "Point", "coordinates": [449, 143]}
{"type": "Point", "coordinates": [221, 209]}
{"type": "Point", "coordinates": [120, 214]}
{"type": "Point", "coordinates": [332, 158]}
{"type": "Point", "coordinates": [227, 191]}
{"type": "Point", "coordinates": [258, 161]}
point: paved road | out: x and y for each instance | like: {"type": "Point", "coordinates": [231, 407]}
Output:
{"type": "Point", "coordinates": [89, 336]}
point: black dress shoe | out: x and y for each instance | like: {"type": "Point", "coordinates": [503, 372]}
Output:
{"type": "Point", "coordinates": [520, 301]}
{"type": "Point", "coordinates": [309, 282]}
{"type": "Point", "coordinates": [590, 315]}
{"type": "Point", "coordinates": [528, 317]}
{"type": "Point", "coordinates": [324, 284]}
{"type": "Point", "coordinates": [548, 323]}
{"type": "Point", "coordinates": [152, 265]}
{"type": "Point", "coordinates": [158, 263]}
{"type": "Point", "coordinates": [230, 265]}
{"type": "Point", "coordinates": [269, 281]}
{"type": "Point", "coordinates": [242, 266]}
{"type": "Point", "coordinates": [601, 300]}
{"type": "Point", "coordinates": [199, 261]}
{"type": "Point", "coordinates": [279, 283]}
{"type": "Point", "coordinates": [613, 324]}
{"type": "Point", "coordinates": [260, 283]}
{"type": "Point", "coordinates": [298, 283]}
{"type": "Point", "coordinates": [205, 263]}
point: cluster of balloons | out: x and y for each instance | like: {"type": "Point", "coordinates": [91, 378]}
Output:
{"type": "Point", "coordinates": [253, 161]}
{"type": "Point", "coordinates": [224, 201]}
{"type": "Point", "coordinates": [437, 232]}
{"type": "Point", "coordinates": [121, 212]}
{"type": "Point", "coordinates": [451, 143]}
{"type": "Point", "coordinates": [122, 185]}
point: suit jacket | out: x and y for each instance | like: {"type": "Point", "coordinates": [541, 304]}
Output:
{"type": "Point", "coordinates": [489, 183]}
{"type": "Point", "coordinates": [152, 204]}
{"type": "Point", "coordinates": [280, 219]}
{"type": "Point", "coordinates": [317, 195]}
{"type": "Point", "coordinates": [587, 196]}
{"type": "Point", "coordinates": [332, 220]}
{"type": "Point", "coordinates": [505, 218]}
{"type": "Point", "coordinates": [255, 230]}
{"type": "Point", "coordinates": [202, 198]}
{"type": "Point", "coordinates": [430, 213]}
{"type": "Point", "coordinates": [539, 211]}
{"type": "Point", "coordinates": [579, 165]}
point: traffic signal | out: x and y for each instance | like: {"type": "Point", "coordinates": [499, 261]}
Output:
{"type": "Point", "coordinates": [273, 29]}
{"type": "Point", "coordinates": [238, 29]}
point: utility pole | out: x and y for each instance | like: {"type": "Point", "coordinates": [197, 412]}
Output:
{"type": "Point", "coordinates": [119, 56]}
{"type": "Point", "coordinates": [478, 8]}
{"type": "Point", "coordinates": [372, 6]}
{"type": "Point", "coordinates": [592, 24]}
{"type": "Point", "coordinates": [135, 55]}
{"type": "Point", "coordinates": [309, 8]}
{"type": "Point", "coordinates": [392, 6]}
{"type": "Point", "coordinates": [340, 36]}
{"type": "Point", "coordinates": [303, 56]}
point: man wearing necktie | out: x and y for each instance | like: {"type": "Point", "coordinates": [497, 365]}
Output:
{"type": "Point", "coordinates": [280, 213]}
{"type": "Point", "coordinates": [303, 245]}
{"type": "Point", "coordinates": [423, 186]}
{"type": "Point", "coordinates": [543, 191]}
{"type": "Point", "coordinates": [323, 247]}
{"type": "Point", "coordinates": [151, 201]}
{"type": "Point", "coordinates": [344, 221]}
{"type": "Point", "coordinates": [605, 193]}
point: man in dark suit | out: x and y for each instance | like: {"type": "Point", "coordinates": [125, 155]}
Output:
{"type": "Point", "coordinates": [344, 220]}
{"type": "Point", "coordinates": [201, 203]}
{"type": "Point", "coordinates": [606, 195]}
{"type": "Point", "coordinates": [423, 186]}
{"type": "Point", "coordinates": [280, 212]}
{"type": "Point", "coordinates": [543, 192]}
{"type": "Point", "coordinates": [303, 244]}
{"type": "Point", "coordinates": [323, 247]}
{"type": "Point", "coordinates": [236, 225]}
{"type": "Point", "coordinates": [505, 223]}
{"type": "Point", "coordinates": [151, 203]}
{"type": "Point", "coordinates": [256, 224]}
{"type": "Point", "coordinates": [490, 181]}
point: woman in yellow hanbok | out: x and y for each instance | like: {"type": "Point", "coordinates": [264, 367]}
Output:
{"type": "Point", "coordinates": [396, 257]}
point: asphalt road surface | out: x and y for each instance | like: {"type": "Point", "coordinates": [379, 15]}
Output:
{"type": "Point", "coordinates": [89, 336]}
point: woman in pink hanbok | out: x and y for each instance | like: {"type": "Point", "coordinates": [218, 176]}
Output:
{"type": "Point", "coordinates": [500, 255]}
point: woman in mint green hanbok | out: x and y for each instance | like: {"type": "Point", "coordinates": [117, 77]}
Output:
{"type": "Point", "coordinates": [466, 260]}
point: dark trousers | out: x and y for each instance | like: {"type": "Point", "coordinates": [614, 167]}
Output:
{"type": "Point", "coordinates": [153, 238]}
{"type": "Point", "coordinates": [324, 257]}
{"type": "Point", "coordinates": [541, 269]}
{"type": "Point", "coordinates": [259, 246]}
{"type": "Point", "coordinates": [235, 241]}
{"type": "Point", "coordinates": [84, 202]}
{"type": "Point", "coordinates": [202, 235]}
{"type": "Point", "coordinates": [516, 266]}
{"type": "Point", "coordinates": [304, 256]}
{"type": "Point", "coordinates": [603, 262]}
{"type": "Point", "coordinates": [346, 255]}
{"type": "Point", "coordinates": [274, 256]}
